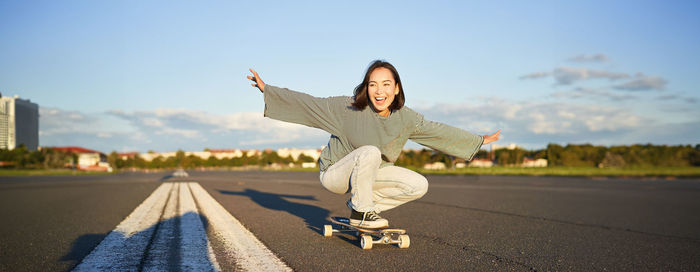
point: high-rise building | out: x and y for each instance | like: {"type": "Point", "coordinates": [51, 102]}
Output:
{"type": "Point", "coordinates": [19, 123]}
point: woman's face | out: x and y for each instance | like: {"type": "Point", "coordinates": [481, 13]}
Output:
{"type": "Point", "coordinates": [382, 89]}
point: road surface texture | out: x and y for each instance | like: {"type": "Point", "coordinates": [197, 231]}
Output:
{"type": "Point", "coordinates": [463, 223]}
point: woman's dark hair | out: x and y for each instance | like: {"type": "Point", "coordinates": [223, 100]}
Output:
{"type": "Point", "coordinates": [362, 98]}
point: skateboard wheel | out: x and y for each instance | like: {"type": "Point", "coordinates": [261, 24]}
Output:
{"type": "Point", "coordinates": [404, 241]}
{"type": "Point", "coordinates": [366, 242]}
{"type": "Point", "coordinates": [327, 230]}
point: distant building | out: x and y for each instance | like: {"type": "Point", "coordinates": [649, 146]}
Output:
{"type": "Point", "coordinates": [202, 155]}
{"type": "Point", "coordinates": [19, 123]}
{"type": "Point", "coordinates": [252, 153]}
{"type": "Point", "coordinates": [88, 159]}
{"type": "Point", "coordinates": [295, 153]}
{"type": "Point", "coordinates": [226, 153]}
{"type": "Point", "coordinates": [217, 153]}
{"type": "Point", "coordinates": [149, 156]}
{"type": "Point", "coordinates": [308, 164]}
{"type": "Point", "coordinates": [481, 163]}
{"type": "Point", "coordinates": [510, 146]}
{"type": "Point", "coordinates": [527, 162]}
{"type": "Point", "coordinates": [164, 155]}
{"type": "Point", "coordinates": [127, 155]}
{"type": "Point", "coordinates": [435, 166]}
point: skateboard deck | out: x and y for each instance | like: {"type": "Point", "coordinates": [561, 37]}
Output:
{"type": "Point", "coordinates": [367, 235]}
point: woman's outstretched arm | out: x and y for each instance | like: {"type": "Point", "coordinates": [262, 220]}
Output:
{"type": "Point", "coordinates": [300, 108]}
{"type": "Point", "coordinates": [448, 139]}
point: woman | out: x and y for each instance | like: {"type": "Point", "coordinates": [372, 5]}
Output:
{"type": "Point", "coordinates": [368, 132]}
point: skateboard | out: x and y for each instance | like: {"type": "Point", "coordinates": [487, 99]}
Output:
{"type": "Point", "coordinates": [366, 235]}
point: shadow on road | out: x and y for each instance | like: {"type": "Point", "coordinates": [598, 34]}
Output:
{"type": "Point", "coordinates": [135, 250]}
{"type": "Point", "coordinates": [314, 216]}
{"type": "Point", "coordinates": [166, 178]}
{"type": "Point", "coordinates": [83, 246]}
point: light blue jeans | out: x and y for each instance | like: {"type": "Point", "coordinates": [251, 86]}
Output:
{"type": "Point", "coordinates": [373, 188]}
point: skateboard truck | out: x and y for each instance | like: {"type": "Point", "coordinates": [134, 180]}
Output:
{"type": "Point", "coordinates": [367, 236]}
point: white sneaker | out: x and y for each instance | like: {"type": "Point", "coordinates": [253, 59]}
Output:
{"type": "Point", "coordinates": [370, 220]}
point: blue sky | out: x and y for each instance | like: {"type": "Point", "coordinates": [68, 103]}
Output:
{"type": "Point", "coordinates": [168, 75]}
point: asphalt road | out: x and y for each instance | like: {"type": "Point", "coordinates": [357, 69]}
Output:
{"type": "Point", "coordinates": [51, 223]}
{"type": "Point", "coordinates": [462, 223]}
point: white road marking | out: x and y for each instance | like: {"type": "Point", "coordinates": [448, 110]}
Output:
{"type": "Point", "coordinates": [194, 236]}
{"type": "Point", "coordinates": [250, 254]}
{"type": "Point", "coordinates": [166, 237]}
{"type": "Point", "coordinates": [181, 240]}
{"type": "Point", "coordinates": [166, 232]}
{"type": "Point", "coordinates": [124, 247]}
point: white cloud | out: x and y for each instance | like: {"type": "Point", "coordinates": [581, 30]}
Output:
{"type": "Point", "coordinates": [535, 75]}
{"type": "Point", "coordinates": [642, 82]}
{"type": "Point", "coordinates": [569, 75]}
{"type": "Point", "coordinates": [59, 127]}
{"type": "Point", "coordinates": [186, 133]}
{"type": "Point", "coordinates": [687, 99]}
{"type": "Point", "coordinates": [538, 123]}
{"type": "Point", "coordinates": [667, 97]}
{"type": "Point", "coordinates": [247, 129]}
{"type": "Point", "coordinates": [56, 121]}
{"type": "Point", "coordinates": [152, 122]}
{"type": "Point", "coordinates": [185, 122]}
{"type": "Point", "coordinates": [592, 58]}
{"type": "Point", "coordinates": [578, 76]}
{"type": "Point", "coordinates": [593, 94]}
{"type": "Point", "coordinates": [170, 130]}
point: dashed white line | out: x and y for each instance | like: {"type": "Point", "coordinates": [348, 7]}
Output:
{"type": "Point", "coordinates": [124, 247]}
{"type": "Point", "coordinates": [163, 244]}
{"type": "Point", "coordinates": [250, 254]}
{"type": "Point", "coordinates": [199, 255]}
{"type": "Point", "coordinates": [166, 232]}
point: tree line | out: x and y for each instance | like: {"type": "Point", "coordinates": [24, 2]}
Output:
{"type": "Point", "coordinates": [181, 160]}
{"type": "Point", "coordinates": [572, 155]}
{"type": "Point", "coordinates": [582, 155]}
{"type": "Point", "coordinates": [621, 156]}
{"type": "Point", "coordinates": [46, 158]}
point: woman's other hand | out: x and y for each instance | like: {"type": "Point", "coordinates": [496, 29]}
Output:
{"type": "Point", "coordinates": [492, 138]}
{"type": "Point", "coordinates": [258, 82]}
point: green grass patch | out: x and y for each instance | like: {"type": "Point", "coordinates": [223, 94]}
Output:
{"type": "Point", "coordinates": [573, 171]}
{"type": "Point", "coordinates": [47, 172]}
{"type": "Point", "coordinates": [296, 169]}
{"type": "Point", "coordinates": [554, 171]}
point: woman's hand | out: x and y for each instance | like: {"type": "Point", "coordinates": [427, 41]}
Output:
{"type": "Point", "coordinates": [492, 138]}
{"type": "Point", "coordinates": [258, 82]}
